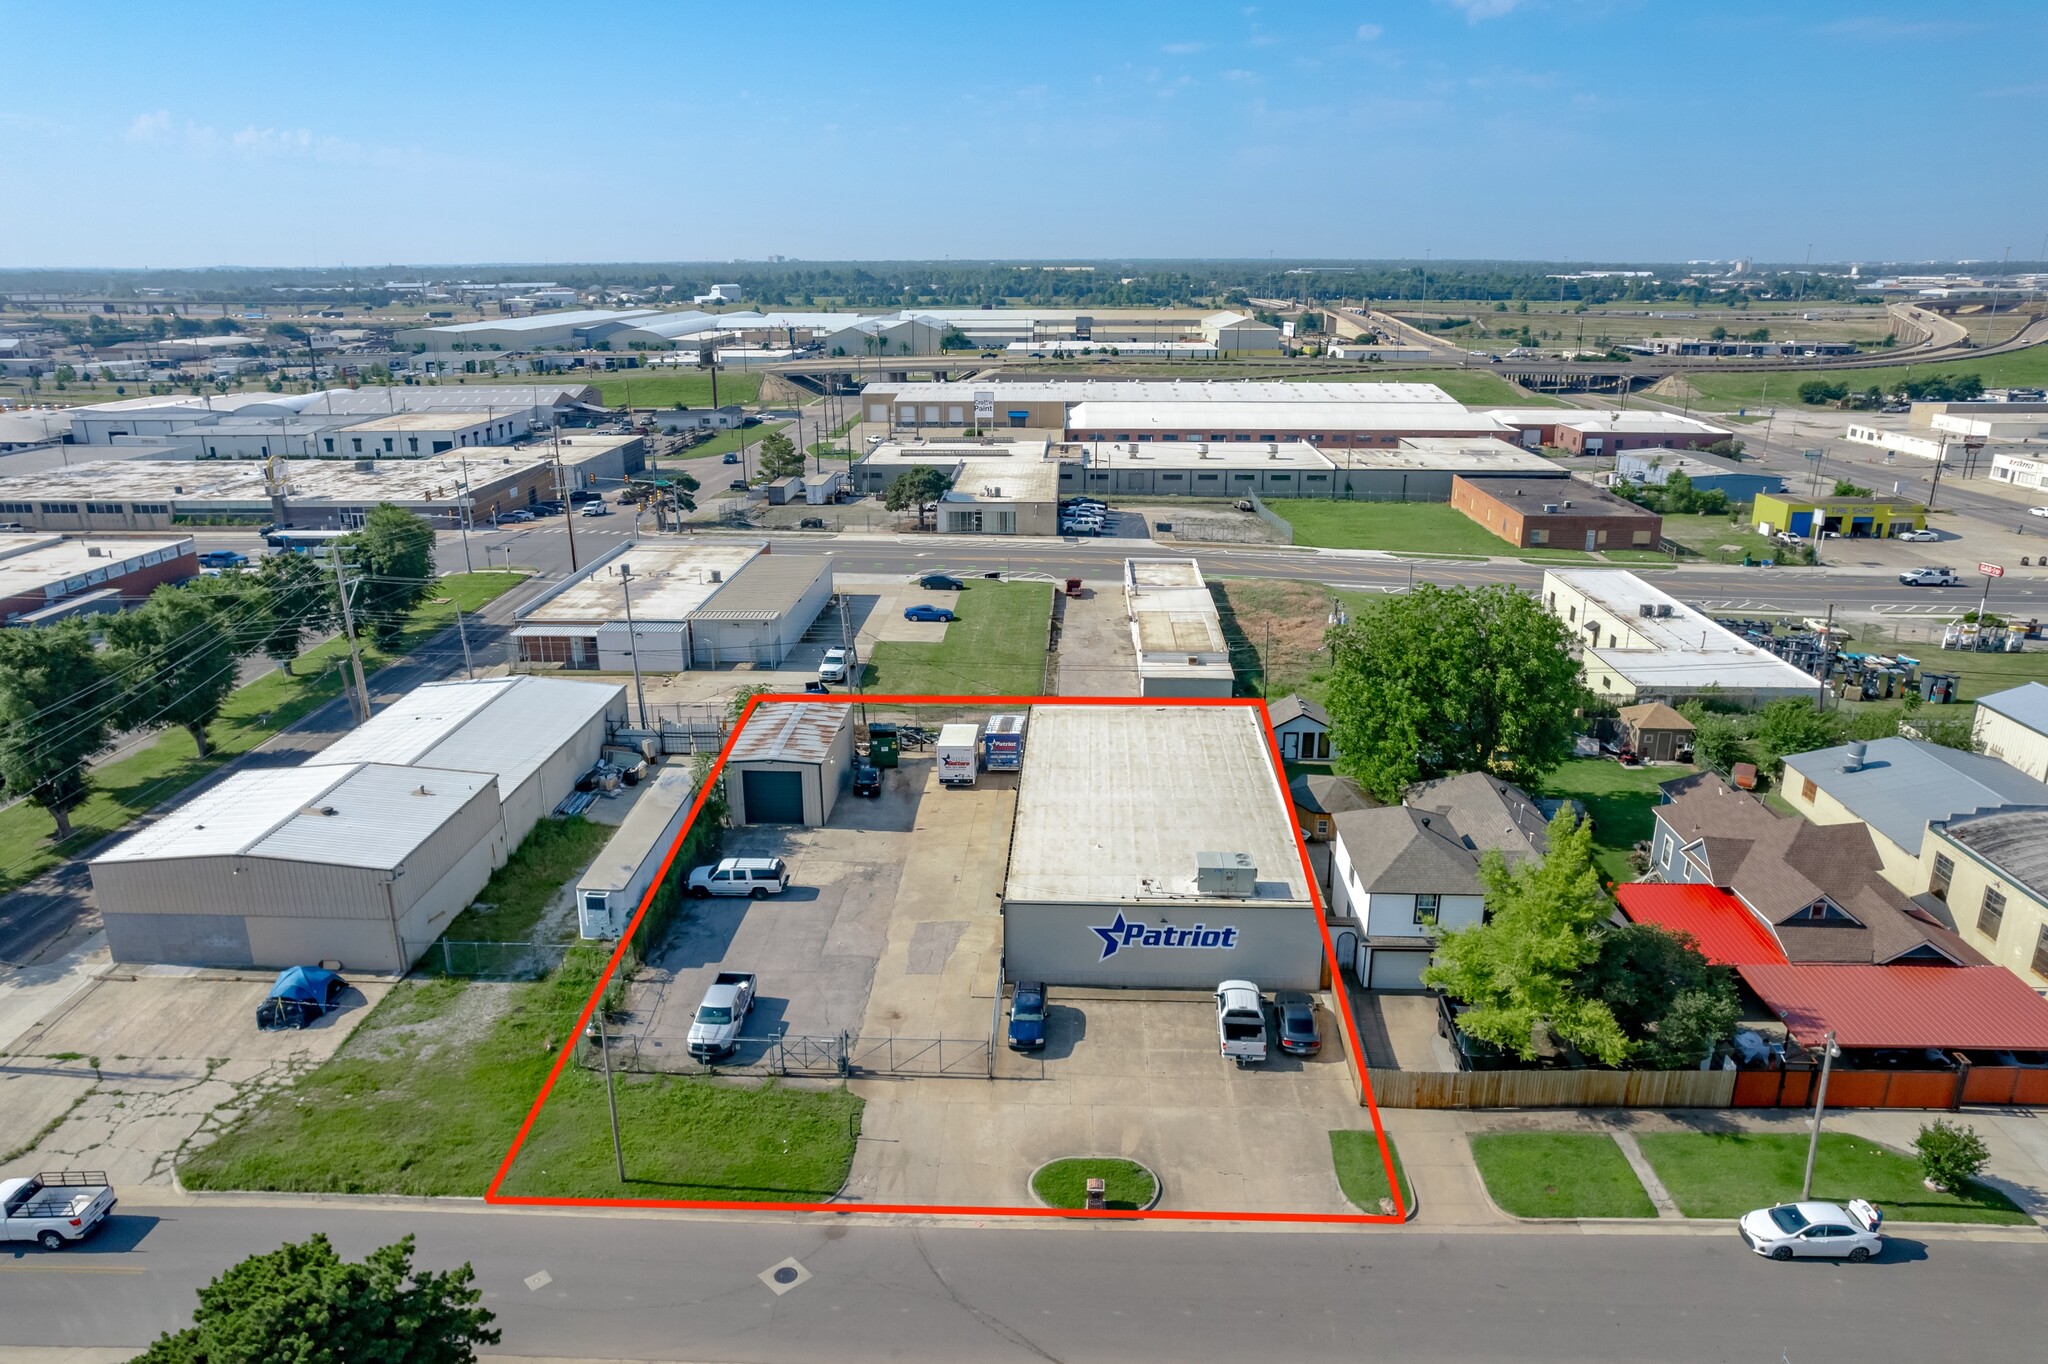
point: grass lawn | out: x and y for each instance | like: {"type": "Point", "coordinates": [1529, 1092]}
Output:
{"type": "Point", "coordinates": [1064, 1183]}
{"type": "Point", "coordinates": [1275, 629]}
{"type": "Point", "coordinates": [1720, 540]}
{"type": "Point", "coordinates": [1414, 527]}
{"type": "Point", "coordinates": [1362, 1175]}
{"type": "Point", "coordinates": [1473, 387]}
{"type": "Point", "coordinates": [1622, 802]}
{"type": "Point", "coordinates": [2024, 368]}
{"type": "Point", "coordinates": [1559, 1174]}
{"type": "Point", "coordinates": [509, 907]}
{"type": "Point", "coordinates": [1726, 1174]}
{"type": "Point", "coordinates": [168, 763]}
{"type": "Point", "coordinates": [996, 647]}
{"type": "Point", "coordinates": [730, 440]}
{"type": "Point", "coordinates": [668, 386]}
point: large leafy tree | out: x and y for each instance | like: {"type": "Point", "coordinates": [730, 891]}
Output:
{"type": "Point", "coordinates": [1793, 725]}
{"type": "Point", "coordinates": [1671, 1001]}
{"type": "Point", "coordinates": [298, 601]}
{"type": "Point", "coordinates": [779, 456]}
{"type": "Point", "coordinates": [393, 555]}
{"type": "Point", "coordinates": [179, 653]}
{"type": "Point", "coordinates": [1444, 680]}
{"type": "Point", "coordinates": [1520, 970]}
{"type": "Point", "coordinates": [55, 708]}
{"type": "Point", "coordinates": [914, 488]}
{"type": "Point", "coordinates": [305, 1304]}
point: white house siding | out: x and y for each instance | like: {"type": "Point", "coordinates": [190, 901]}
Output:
{"type": "Point", "coordinates": [2012, 743]}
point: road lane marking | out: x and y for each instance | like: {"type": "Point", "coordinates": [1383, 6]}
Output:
{"type": "Point", "coordinates": [35, 1267]}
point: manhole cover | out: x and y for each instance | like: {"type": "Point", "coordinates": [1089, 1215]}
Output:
{"type": "Point", "coordinates": [784, 1276]}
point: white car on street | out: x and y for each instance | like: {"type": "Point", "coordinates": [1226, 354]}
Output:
{"type": "Point", "coordinates": [1815, 1230]}
{"type": "Point", "coordinates": [1918, 535]}
{"type": "Point", "coordinates": [2037, 511]}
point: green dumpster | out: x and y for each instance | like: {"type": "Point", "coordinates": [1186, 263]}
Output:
{"type": "Point", "coordinates": [882, 744]}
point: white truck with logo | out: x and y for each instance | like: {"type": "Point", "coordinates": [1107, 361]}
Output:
{"type": "Point", "coordinates": [1241, 1022]}
{"type": "Point", "coordinates": [957, 752]}
{"type": "Point", "coordinates": [715, 1032]}
{"type": "Point", "coordinates": [54, 1207]}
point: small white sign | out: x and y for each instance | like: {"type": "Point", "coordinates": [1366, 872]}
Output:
{"type": "Point", "coordinates": [984, 406]}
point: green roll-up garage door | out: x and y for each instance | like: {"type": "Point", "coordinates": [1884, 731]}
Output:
{"type": "Point", "coordinates": [773, 797]}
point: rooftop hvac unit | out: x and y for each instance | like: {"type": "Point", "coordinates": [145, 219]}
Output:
{"type": "Point", "coordinates": [1232, 875]}
{"type": "Point", "coordinates": [716, 576]}
{"type": "Point", "coordinates": [1550, 508]}
{"type": "Point", "coordinates": [1664, 609]}
{"type": "Point", "coordinates": [1566, 503]}
{"type": "Point", "coordinates": [1646, 609]}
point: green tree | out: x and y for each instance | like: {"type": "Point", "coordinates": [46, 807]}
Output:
{"type": "Point", "coordinates": [952, 338]}
{"type": "Point", "coordinates": [1672, 1002]}
{"type": "Point", "coordinates": [1844, 488]}
{"type": "Point", "coordinates": [55, 709]}
{"type": "Point", "coordinates": [1792, 725]}
{"type": "Point", "coordinates": [393, 554]}
{"type": "Point", "coordinates": [915, 488]}
{"type": "Point", "coordinates": [779, 456]}
{"type": "Point", "coordinates": [1442, 680]}
{"type": "Point", "coordinates": [304, 1304]}
{"type": "Point", "coordinates": [1726, 449]}
{"type": "Point", "coordinates": [298, 600]}
{"type": "Point", "coordinates": [1814, 392]}
{"type": "Point", "coordinates": [1951, 1154]}
{"type": "Point", "coordinates": [179, 652]}
{"type": "Point", "coordinates": [1717, 739]}
{"type": "Point", "coordinates": [1520, 970]}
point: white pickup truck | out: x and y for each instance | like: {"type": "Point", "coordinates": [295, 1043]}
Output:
{"type": "Point", "coordinates": [1241, 1022]}
{"type": "Point", "coordinates": [54, 1207]}
{"type": "Point", "coordinates": [715, 1032]}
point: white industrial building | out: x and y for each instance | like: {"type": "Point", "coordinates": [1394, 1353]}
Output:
{"type": "Point", "coordinates": [1045, 404]}
{"type": "Point", "coordinates": [2020, 471]}
{"type": "Point", "coordinates": [356, 863]}
{"type": "Point", "coordinates": [789, 762]}
{"type": "Point", "coordinates": [366, 852]}
{"type": "Point", "coordinates": [1636, 643]}
{"type": "Point", "coordinates": [569, 328]}
{"type": "Point", "coordinates": [698, 604]}
{"type": "Point", "coordinates": [505, 412]}
{"type": "Point", "coordinates": [46, 578]}
{"type": "Point", "coordinates": [534, 735]}
{"type": "Point", "coordinates": [1153, 847]}
{"type": "Point", "coordinates": [1175, 630]}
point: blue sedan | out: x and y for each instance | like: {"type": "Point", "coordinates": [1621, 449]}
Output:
{"type": "Point", "coordinates": [927, 612]}
{"type": "Point", "coordinates": [1027, 1017]}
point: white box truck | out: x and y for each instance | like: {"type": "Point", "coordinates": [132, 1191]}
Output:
{"type": "Point", "coordinates": [610, 892]}
{"type": "Point", "coordinates": [958, 749]}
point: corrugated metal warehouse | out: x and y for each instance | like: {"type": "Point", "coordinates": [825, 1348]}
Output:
{"type": "Point", "coordinates": [535, 735]}
{"type": "Point", "coordinates": [358, 863]}
{"type": "Point", "coordinates": [1153, 848]}
{"type": "Point", "coordinates": [789, 762]}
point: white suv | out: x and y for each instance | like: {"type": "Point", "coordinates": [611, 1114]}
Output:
{"type": "Point", "coordinates": [833, 667]}
{"type": "Point", "coordinates": [759, 877]}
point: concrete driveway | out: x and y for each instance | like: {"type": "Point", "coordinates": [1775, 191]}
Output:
{"type": "Point", "coordinates": [1096, 657]}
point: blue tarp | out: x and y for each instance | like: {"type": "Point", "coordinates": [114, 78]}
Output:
{"type": "Point", "coordinates": [308, 983]}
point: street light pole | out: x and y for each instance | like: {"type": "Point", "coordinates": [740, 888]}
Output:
{"type": "Point", "coordinates": [1820, 1102]}
{"type": "Point", "coordinates": [633, 641]}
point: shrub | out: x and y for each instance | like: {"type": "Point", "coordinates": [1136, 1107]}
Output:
{"type": "Point", "coordinates": [1950, 1155]}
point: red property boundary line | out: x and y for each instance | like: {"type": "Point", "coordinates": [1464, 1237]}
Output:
{"type": "Point", "coordinates": [1399, 1215]}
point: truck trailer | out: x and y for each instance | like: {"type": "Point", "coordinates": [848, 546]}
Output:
{"type": "Point", "coordinates": [958, 754]}
{"type": "Point", "coordinates": [610, 892]}
{"type": "Point", "coordinates": [1002, 744]}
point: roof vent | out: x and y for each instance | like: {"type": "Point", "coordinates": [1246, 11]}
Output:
{"type": "Point", "coordinates": [1854, 761]}
{"type": "Point", "coordinates": [1550, 507]}
{"type": "Point", "coordinates": [421, 790]}
{"type": "Point", "coordinates": [1566, 503]}
{"type": "Point", "coordinates": [713, 575]}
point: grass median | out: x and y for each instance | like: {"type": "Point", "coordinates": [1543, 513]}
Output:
{"type": "Point", "coordinates": [995, 647]}
{"type": "Point", "coordinates": [1726, 1174]}
{"type": "Point", "coordinates": [1362, 1175]}
{"type": "Point", "coordinates": [167, 762]}
{"type": "Point", "coordinates": [1127, 1185]}
{"type": "Point", "coordinates": [1559, 1174]}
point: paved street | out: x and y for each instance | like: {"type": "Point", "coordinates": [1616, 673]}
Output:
{"type": "Point", "coordinates": [638, 1287]}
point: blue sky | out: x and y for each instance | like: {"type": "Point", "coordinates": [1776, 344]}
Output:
{"type": "Point", "coordinates": [1561, 129]}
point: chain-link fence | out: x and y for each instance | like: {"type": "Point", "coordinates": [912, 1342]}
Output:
{"type": "Point", "coordinates": [488, 960]}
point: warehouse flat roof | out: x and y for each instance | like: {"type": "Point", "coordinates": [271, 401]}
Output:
{"type": "Point", "coordinates": [767, 588]}
{"type": "Point", "coordinates": [1143, 573]}
{"type": "Point", "coordinates": [2014, 841]}
{"type": "Point", "coordinates": [378, 400]}
{"type": "Point", "coordinates": [1579, 499]}
{"type": "Point", "coordinates": [669, 582]}
{"type": "Point", "coordinates": [34, 562]}
{"type": "Point", "coordinates": [999, 480]}
{"type": "Point", "coordinates": [1902, 785]}
{"type": "Point", "coordinates": [349, 815]}
{"type": "Point", "coordinates": [1194, 454]}
{"type": "Point", "coordinates": [583, 317]}
{"type": "Point", "coordinates": [1686, 648]}
{"type": "Point", "coordinates": [424, 421]}
{"type": "Point", "coordinates": [1450, 454]}
{"type": "Point", "coordinates": [1167, 390]}
{"type": "Point", "coordinates": [940, 452]}
{"type": "Point", "coordinates": [1279, 416]}
{"type": "Point", "coordinates": [1116, 801]}
{"type": "Point", "coordinates": [507, 727]}
{"type": "Point", "coordinates": [790, 732]}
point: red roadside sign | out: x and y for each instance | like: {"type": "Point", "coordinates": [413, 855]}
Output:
{"type": "Point", "coordinates": [1991, 570]}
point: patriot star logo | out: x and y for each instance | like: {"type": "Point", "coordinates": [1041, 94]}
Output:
{"type": "Point", "coordinates": [1112, 937]}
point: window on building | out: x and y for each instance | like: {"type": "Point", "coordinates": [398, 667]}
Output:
{"type": "Point", "coordinates": [357, 442]}
{"type": "Point", "coordinates": [2040, 962]}
{"type": "Point", "coordinates": [1944, 872]}
{"type": "Point", "coordinates": [1269, 436]}
{"type": "Point", "coordinates": [16, 508]}
{"type": "Point", "coordinates": [1807, 790]}
{"type": "Point", "coordinates": [1244, 435]}
{"type": "Point", "coordinates": [412, 444]}
{"type": "Point", "coordinates": [103, 508]}
{"type": "Point", "coordinates": [1539, 537]}
{"type": "Point", "coordinates": [146, 509]}
{"type": "Point", "coordinates": [1426, 909]}
{"type": "Point", "coordinates": [329, 442]}
{"type": "Point", "coordinates": [60, 508]}
{"type": "Point", "coordinates": [1991, 913]}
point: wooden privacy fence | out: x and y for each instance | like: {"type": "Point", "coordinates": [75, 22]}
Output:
{"type": "Point", "coordinates": [1895, 1088]}
{"type": "Point", "coordinates": [1553, 1088]}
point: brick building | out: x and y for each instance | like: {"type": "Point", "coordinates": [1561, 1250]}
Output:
{"type": "Point", "coordinates": [1534, 515]}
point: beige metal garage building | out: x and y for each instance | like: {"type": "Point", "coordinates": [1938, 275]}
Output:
{"type": "Point", "coordinates": [364, 864]}
{"type": "Point", "coordinates": [789, 763]}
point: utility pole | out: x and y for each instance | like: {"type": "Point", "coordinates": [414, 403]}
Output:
{"type": "Point", "coordinates": [1829, 1052]}
{"type": "Point", "coordinates": [611, 1098]}
{"type": "Point", "coordinates": [633, 641]}
{"type": "Point", "coordinates": [468, 668]}
{"type": "Point", "coordinates": [1940, 458]}
{"type": "Point", "coordinates": [1827, 656]}
{"type": "Point", "coordinates": [568, 510]}
{"type": "Point", "coordinates": [359, 699]}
